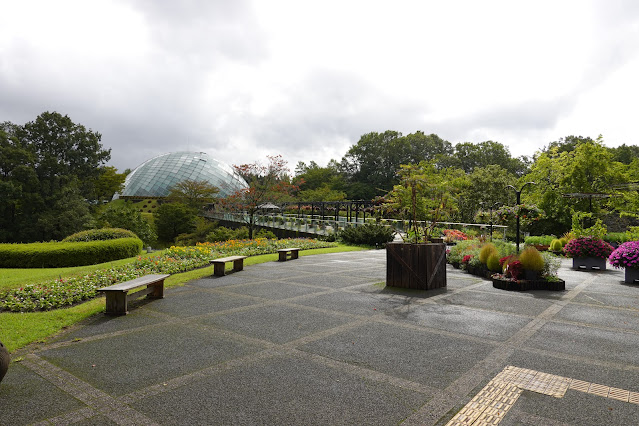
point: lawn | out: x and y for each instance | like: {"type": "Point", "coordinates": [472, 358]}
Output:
{"type": "Point", "coordinates": [18, 330]}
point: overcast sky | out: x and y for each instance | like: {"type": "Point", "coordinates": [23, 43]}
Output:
{"type": "Point", "coordinates": [243, 79]}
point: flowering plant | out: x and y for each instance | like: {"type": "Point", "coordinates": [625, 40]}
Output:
{"type": "Point", "coordinates": [626, 255]}
{"type": "Point", "coordinates": [588, 247]}
{"type": "Point", "coordinates": [451, 235]}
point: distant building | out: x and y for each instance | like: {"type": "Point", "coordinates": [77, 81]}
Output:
{"type": "Point", "coordinates": [155, 177]}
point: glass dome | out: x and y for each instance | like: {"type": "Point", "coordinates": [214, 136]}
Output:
{"type": "Point", "coordinates": [155, 177]}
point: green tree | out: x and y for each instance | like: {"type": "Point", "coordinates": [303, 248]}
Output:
{"type": "Point", "coordinates": [125, 216]}
{"type": "Point", "coordinates": [372, 164]}
{"type": "Point", "coordinates": [193, 193]}
{"type": "Point", "coordinates": [44, 164]}
{"type": "Point", "coordinates": [484, 185]}
{"type": "Point", "coordinates": [267, 184]}
{"type": "Point", "coordinates": [173, 219]}
{"type": "Point", "coordinates": [470, 156]}
{"type": "Point", "coordinates": [107, 184]}
{"type": "Point", "coordinates": [68, 215]}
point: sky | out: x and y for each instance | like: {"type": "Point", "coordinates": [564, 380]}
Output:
{"type": "Point", "coordinates": [242, 79]}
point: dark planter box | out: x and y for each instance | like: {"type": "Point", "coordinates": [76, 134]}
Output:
{"type": "Point", "coordinates": [631, 276]}
{"type": "Point", "coordinates": [417, 266]}
{"type": "Point", "coordinates": [589, 263]}
{"type": "Point", "coordinates": [525, 285]}
{"type": "Point", "coordinates": [4, 361]}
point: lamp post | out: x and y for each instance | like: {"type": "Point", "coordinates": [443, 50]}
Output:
{"type": "Point", "coordinates": [518, 192]}
{"type": "Point", "coordinates": [490, 207]}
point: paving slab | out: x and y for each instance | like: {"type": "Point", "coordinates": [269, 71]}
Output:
{"type": "Point", "coordinates": [26, 398]}
{"type": "Point", "coordinates": [417, 355]}
{"type": "Point", "coordinates": [199, 302]}
{"type": "Point", "coordinates": [283, 390]}
{"type": "Point", "coordinates": [275, 290]}
{"type": "Point", "coordinates": [497, 300]}
{"type": "Point", "coordinates": [123, 363]}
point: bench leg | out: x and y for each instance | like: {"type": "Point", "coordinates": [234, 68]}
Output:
{"type": "Point", "coordinates": [238, 265]}
{"type": "Point", "coordinates": [116, 303]}
{"type": "Point", "coordinates": [283, 256]}
{"type": "Point", "coordinates": [218, 269]}
{"type": "Point", "coordinates": [158, 290]}
{"type": "Point", "coordinates": [294, 254]}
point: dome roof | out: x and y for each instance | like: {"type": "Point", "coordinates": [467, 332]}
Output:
{"type": "Point", "coordinates": [155, 177]}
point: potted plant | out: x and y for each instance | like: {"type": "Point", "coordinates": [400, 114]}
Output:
{"type": "Point", "coordinates": [627, 256]}
{"type": "Point", "coordinates": [532, 263]}
{"type": "Point", "coordinates": [588, 249]}
{"type": "Point", "coordinates": [422, 196]}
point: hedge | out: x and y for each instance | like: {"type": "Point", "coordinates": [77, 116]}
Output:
{"type": "Point", "coordinates": [60, 254]}
{"type": "Point", "coordinates": [101, 234]}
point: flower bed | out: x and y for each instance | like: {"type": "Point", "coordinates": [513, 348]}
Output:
{"type": "Point", "coordinates": [67, 291]}
{"type": "Point", "coordinates": [503, 283]}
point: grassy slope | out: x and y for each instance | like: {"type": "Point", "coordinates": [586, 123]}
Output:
{"type": "Point", "coordinates": [20, 329]}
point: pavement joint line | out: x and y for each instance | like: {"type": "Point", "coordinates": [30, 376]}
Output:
{"type": "Point", "coordinates": [94, 398]}
{"type": "Point", "coordinates": [596, 326]}
{"type": "Point", "coordinates": [71, 417]}
{"type": "Point", "coordinates": [612, 308]}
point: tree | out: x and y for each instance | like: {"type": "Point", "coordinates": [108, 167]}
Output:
{"type": "Point", "coordinates": [173, 219]}
{"type": "Point", "coordinates": [42, 163]}
{"type": "Point", "coordinates": [372, 164]}
{"type": "Point", "coordinates": [124, 215]}
{"type": "Point", "coordinates": [485, 185]}
{"type": "Point", "coordinates": [193, 193]}
{"type": "Point", "coordinates": [107, 184]}
{"type": "Point", "coordinates": [267, 183]}
{"type": "Point", "coordinates": [469, 156]}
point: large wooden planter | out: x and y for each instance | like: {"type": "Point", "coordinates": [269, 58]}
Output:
{"type": "Point", "coordinates": [525, 285]}
{"type": "Point", "coordinates": [4, 361]}
{"type": "Point", "coordinates": [417, 266]}
{"type": "Point", "coordinates": [631, 276]}
{"type": "Point", "coordinates": [589, 263]}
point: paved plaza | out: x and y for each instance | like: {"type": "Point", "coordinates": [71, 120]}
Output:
{"type": "Point", "coordinates": [321, 340]}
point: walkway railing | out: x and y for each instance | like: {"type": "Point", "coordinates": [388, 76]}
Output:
{"type": "Point", "coordinates": [327, 225]}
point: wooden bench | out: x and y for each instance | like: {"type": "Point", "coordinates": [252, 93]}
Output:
{"type": "Point", "coordinates": [117, 295]}
{"type": "Point", "coordinates": [219, 264]}
{"type": "Point", "coordinates": [284, 253]}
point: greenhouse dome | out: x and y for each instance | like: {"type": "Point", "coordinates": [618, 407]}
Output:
{"type": "Point", "coordinates": [155, 177]}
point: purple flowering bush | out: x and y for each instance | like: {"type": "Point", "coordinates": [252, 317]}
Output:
{"type": "Point", "coordinates": [588, 247]}
{"type": "Point", "coordinates": [626, 255]}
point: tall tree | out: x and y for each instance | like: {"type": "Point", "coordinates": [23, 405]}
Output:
{"type": "Point", "coordinates": [173, 219]}
{"type": "Point", "coordinates": [469, 156]}
{"type": "Point", "coordinates": [267, 183]}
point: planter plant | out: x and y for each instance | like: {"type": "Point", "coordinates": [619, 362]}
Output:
{"type": "Point", "coordinates": [627, 256]}
{"type": "Point", "coordinates": [588, 253]}
{"type": "Point", "coordinates": [423, 197]}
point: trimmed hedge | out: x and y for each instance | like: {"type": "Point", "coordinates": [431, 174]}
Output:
{"type": "Point", "coordinates": [368, 234]}
{"type": "Point", "coordinates": [102, 234]}
{"type": "Point", "coordinates": [60, 254]}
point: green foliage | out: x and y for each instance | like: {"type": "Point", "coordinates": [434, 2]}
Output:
{"type": "Point", "coordinates": [485, 252]}
{"type": "Point", "coordinates": [368, 234]}
{"type": "Point", "coordinates": [551, 264]}
{"type": "Point", "coordinates": [492, 263]}
{"type": "Point", "coordinates": [556, 245]}
{"type": "Point", "coordinates": [125, 215]}
{"type": "Point", "coordinates": [539, 240]}
{"type": "Point", "coordinates": [617, 237]}
{"type": "Point", "coordinates": [531, 259]}
{"type": "Point", "coordinates": [48, 171]}
{"type": "Point", "coordinates": [193, 193]}
{"type": "Point", "coordinates": [597, 231]}
{"type": "Point", "coordinates": [173, 219]}
{"type": "Point", "coordinates": [99, 235]}
{"type": "Point", "coordinates": [56, 255]}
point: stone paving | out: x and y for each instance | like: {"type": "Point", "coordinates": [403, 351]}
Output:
{"type": "Point", "coordinates": [320, 340]}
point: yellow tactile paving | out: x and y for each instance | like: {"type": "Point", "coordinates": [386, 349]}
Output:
{"type": "Point", "coordinates": [492, 403]}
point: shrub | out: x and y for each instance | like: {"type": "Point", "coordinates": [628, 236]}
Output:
{"type": "Point", "coordinates": [626, 255]}
{"type": "Point", "coordinates": [99, 235]}
{"type": "Point", "coordinates": [551, 264]}
{"type": "Point", "coordinates": [588, 247]}
{"type": "Point", "coordinates": [531, 259]}
{"type": "Point", "coordinates": [556, 245]}
{"type": "Point", "coordinates": [368, 234]}
{"type": "Point", "coordinates": [486, 251]}
{"type": "Point", "coordinates": [493, 262]}
{"type": "Point", "coordinates": [63, 254]}
{"type": "Point", "coordinates": [451, 235]}
{"type": "Point", "coordinates": [464, 248]}
{"type": "Point", "coordinates": [616, 237]}
{"type": "Point", "coordinates": [539, 240]}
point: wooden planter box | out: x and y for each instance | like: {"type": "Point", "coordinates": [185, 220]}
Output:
{"type": "Point", "coordinates": [525, 285]}
{"type": "Point", "coordinates": [417, 266]}
{"type": "Point", "coordinates": [631, 276]}
{"type": "Point", "coordinates": [4, 361]}
{"type": "Point", "coordinates": [589, 263]}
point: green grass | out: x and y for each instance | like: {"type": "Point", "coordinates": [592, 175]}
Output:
{"type": "Point", "coordinates": [18, 330]}
{"type": "Point", "coordinates": [13, 278]}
